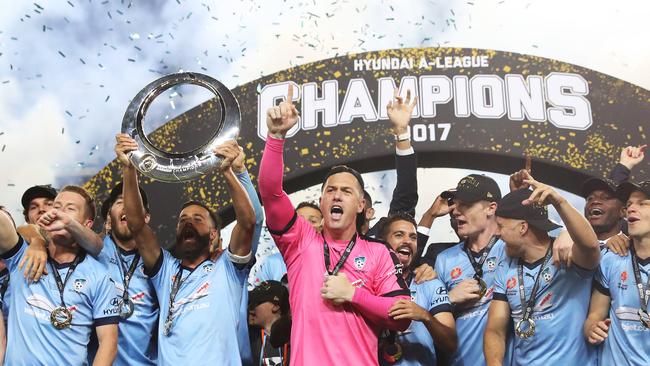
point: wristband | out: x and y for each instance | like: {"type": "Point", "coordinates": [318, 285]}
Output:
{"type": "Point", "coordinates": [406, 136]}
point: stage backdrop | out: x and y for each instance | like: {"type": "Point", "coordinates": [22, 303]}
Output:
{"type": "Point", "coordinates": [477, 109]}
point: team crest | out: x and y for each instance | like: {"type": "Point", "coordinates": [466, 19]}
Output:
{"type": "Point", "coordinates": [456, 272]}
{"type": "Point", "coordinates": [491, 263]}
{"type": "Point", "coordinates": [547, 275]}
{"type": "Point", "coordinates": [359, 262]}
{"type": "Point", "coordinates": [512, 282]}
{"type": "Point", "coordinates": [79, 284]}
{"type": "Point", "coordinates": [208, 268]}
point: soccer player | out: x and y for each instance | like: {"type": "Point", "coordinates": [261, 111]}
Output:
{"type": "Point", "coordinates": [36, 201]}
{"type": "Point", "coordinates": [199, 297]}
{"type": "Point", "coordinates": [467, 269]}
{"type": "Point", "coordinates": [50, 320]}
{"type": "Point", "coordinates": [546, 303]}
{"type": "Point", "coordinates": [138, 305]}
{"type": "Point", "coordinates": [341, 285]}
{"type": "Point", "coordinates": [429, 308]}
{"type": "Point", "coordinates": [618, 314]}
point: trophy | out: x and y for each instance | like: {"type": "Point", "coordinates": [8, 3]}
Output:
{"type": "Point", "coordinates": [179, 167]}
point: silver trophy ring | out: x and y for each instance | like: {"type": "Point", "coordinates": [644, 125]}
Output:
{"type": "Point", "coordinates": [180, 167]}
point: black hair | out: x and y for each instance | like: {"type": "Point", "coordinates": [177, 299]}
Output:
{"type": "Point", "coordinates": [309, 204]}
{"type": "Point", "coordinates": [382, 233]}
{"type": "Point", "coordinates": [216, 220]}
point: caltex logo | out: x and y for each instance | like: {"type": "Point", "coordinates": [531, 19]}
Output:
{"type": "Point", "coordinates": [512, 282]}
{"type": "Point", "coordinates": [623, 276]}
{"type": "Point", "coordinates": [456, 272]}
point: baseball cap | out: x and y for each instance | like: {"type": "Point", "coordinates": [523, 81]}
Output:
{"type": "Point", "coordinates": [474, 187]}
{"type": "Point", "coordinates": [624, 190]}
{"type": "Point", "coordinates": [269, 291]}
{"type": "Point", "coordinates": [112, 197]}
{"type": "Point", "coordinates": [536, 215]}
{"type": "Point", "coordinates": [596, 184]}
{"type": "Point", "coordinates": [45, 191]}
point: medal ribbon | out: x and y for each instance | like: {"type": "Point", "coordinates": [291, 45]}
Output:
{"type": "Point", "coordinates": [57, 277]}
{"type": "Point", "coordinates": [530, 304]}
{"type": "Point", "coordinates": [344, 257]}
{"type": "Point", "coordinates": [176, 285]}
{"type": "Point", "coordinates": [126, 275]}
{"type": "Point", "coordinates": [644, 293]}
{"type": "Point", "coordinates": [478, 266]}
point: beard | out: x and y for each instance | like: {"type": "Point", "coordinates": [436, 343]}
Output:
{"type": "Point", "coordinates": [189, 243]}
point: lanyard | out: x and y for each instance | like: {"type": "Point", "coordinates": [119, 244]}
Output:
{"type": "Point", "coordinates": [644, 293]}
{"type": "Point", "coordinates": [530, 304]}
{"type": "Point", "coordinates": [478, 267]}
{"type": "Point", "coordinates": [176, 285]}
{"type": "Point", "coordinates": [284, 351]}
{"type": "Point", "coordinates": [57, 277]}
{"type": "Point", "coordinates": [126, 274]}
{"type": "Point", "coordinates": [344, 257]}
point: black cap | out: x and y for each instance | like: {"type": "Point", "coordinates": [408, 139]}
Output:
{"type": "Point", "coordinates": [536, 215]}
{"type": "Point", "coordinates": [45, 191]}
{"type": "Point", "coordinates": [624, 190]}
{"type": "Point", "coordinates": [112, 197]}
{"type": "Point", "coordinates": [269, 291]}
{"type": "Point", "coordinates": [597, 184]}
{"type": "Point", "coordinates": [475, 187]}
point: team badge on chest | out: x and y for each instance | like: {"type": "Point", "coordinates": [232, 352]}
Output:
{"type": "Point", "coordinates": [79, 284]}
{"type": "Point", "coordinates": [359, 262]}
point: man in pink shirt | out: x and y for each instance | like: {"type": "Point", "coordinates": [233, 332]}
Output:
{"type": "Point", "coordinates": [341, 285]}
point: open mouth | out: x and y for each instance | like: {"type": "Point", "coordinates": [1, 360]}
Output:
{"type": "Point", "coordinates": [596, 212]}
{"type": "Point", "coordinates": [405, 250]}
{"type": "Point", "coordinates": [123, 218]}
{"type": "Point", "coordinates": [336, 212]}
{"type": "Point", "coordinates": [188, 233]}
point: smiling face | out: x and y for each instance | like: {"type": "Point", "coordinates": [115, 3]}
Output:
{"type": "Point", "coordinates": [638, 215]}
{"type": "Point", "coordinates": [511, 232]}
{"type": "Point", "coordinates": [341, 201]}
{"type": "Point", "coordinates": [603, 211]}
{"type": "Point", "coordinates": [402, 238]}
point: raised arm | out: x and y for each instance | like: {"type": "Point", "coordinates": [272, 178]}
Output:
{"type": "Point", "coordinates": [405, 194]}
{"type": "Point", "coordinates": [242, 233]}
{"type": "Point", "coordinates": [145, 239]}
{"type": "Point", "coordinates": [8, 234]}
{"type": "Point", "coordinates": [631, 156]}
{"type": "Point", "coordinates": [278, 208]}
{"type": "Point", "coordinates": [586, 249]}
{"type": "Point", "coordinates": [240, 171]}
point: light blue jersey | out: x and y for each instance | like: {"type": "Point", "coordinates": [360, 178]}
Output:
{"type": "Point", "coordinates": [417, 344]}
{"type": "Point", "coordinates": [561, 306]}
{"type": "Point", "coordinates": [206, 312]}
{"type": "Point", "coordinates": [136, 343]}
{"type": "Point", "coordinates": [452, 267]}
{"type": "Point", "coordinates": [89, 294]}
{"type": "Point", "coordinates": [628, 341]}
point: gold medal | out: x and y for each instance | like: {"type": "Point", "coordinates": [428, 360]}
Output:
{"type": "Point", "coordinates": [61, 318]}
{"type": "Point", "coordinates": [482, 287]}
{"type": "Point", "coordinates": [644, 318]}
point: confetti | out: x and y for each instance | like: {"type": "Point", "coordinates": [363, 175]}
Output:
{"type": "Point", "coordinates": [71, 4]}
{"type": "Point", "coordinates": [107, 98]}
{"type": "Point", "coordinates": [62, 54]}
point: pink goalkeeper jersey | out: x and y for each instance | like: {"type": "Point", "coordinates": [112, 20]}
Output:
{"type": "Point", "coordinates": [322, 333]}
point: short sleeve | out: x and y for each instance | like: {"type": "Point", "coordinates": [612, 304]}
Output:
{"type": "Point", "coordinates": [440, 269]}
{"type": "Point", "coordinates": [388, 275]}
{"type": "Point", "coordinates": [499, 285]}
{"type": "Point", "coordinates": [439, 298]}
{"type": "Point", "coordinates": [601, 278]}
{"type": "Point", "coordinates": [13, 257]}
{"type": "Point", "coordinates": [103, 310]}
